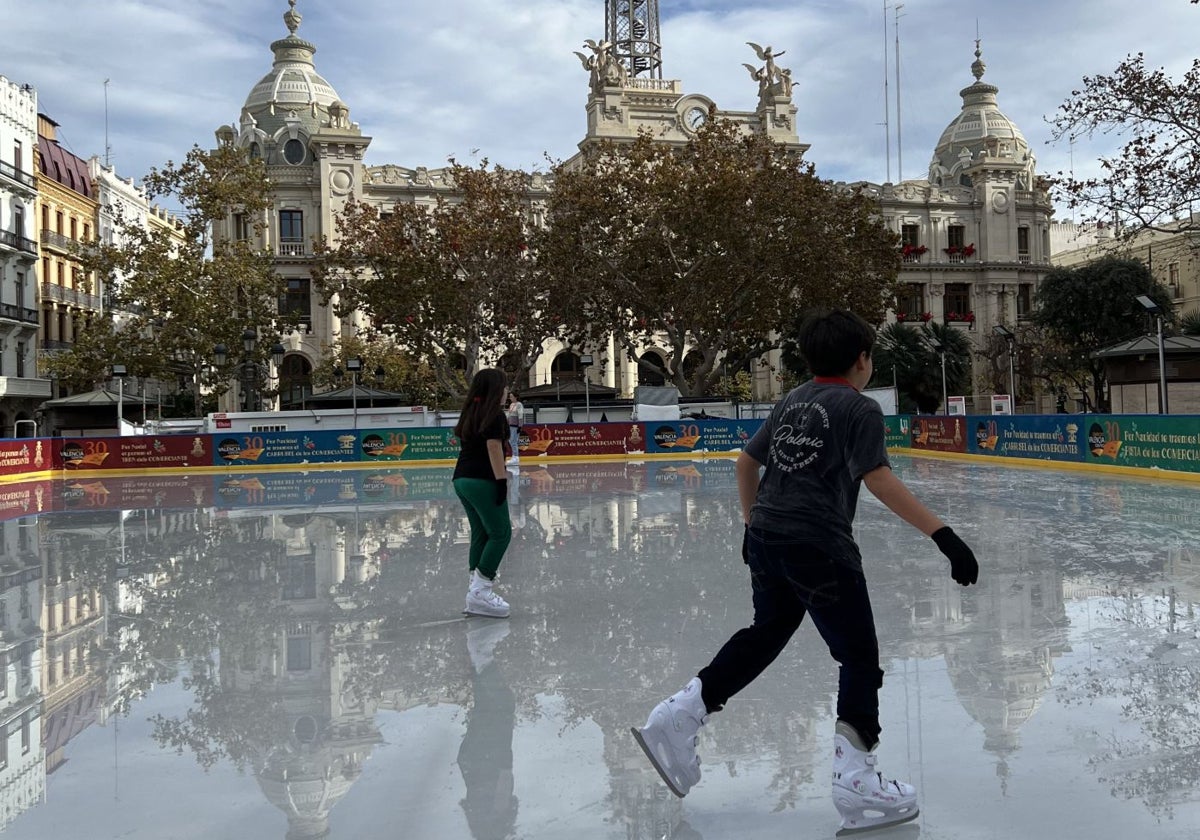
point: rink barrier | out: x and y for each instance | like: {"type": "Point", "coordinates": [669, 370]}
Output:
{"type": "Point", "coordinates": [1140, 444]}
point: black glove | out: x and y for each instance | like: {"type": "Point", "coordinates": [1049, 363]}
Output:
{"type": "Point", "coordinates": [501, 491]}
{"type": "Point", "coordinates": [745, 545]}
{"type": "Point", "coordinates": [964, 568]}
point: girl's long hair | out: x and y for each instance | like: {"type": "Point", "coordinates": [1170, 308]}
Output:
{"type": "Point", "coordinates": [482, 405]}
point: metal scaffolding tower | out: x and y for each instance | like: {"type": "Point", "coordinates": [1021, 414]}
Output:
{"type": "Point", "coordinates": [632, 27]}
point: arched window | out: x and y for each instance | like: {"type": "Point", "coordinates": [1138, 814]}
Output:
{"type": "Point", "coordinates": [295, 381]}
{"type": "Point", "coordinates": [648, 375]}
{"type": "Point", "coordinates": [293, 151]}
{"type": "Point", "coordinates": [566, 368]}
{"type": "Point", "coordinates": [255, 151]}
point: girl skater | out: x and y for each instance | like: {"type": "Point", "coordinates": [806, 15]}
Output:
{"type": "Point", "coordinates": [482, 485]}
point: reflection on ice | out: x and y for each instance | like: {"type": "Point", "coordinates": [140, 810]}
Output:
{"type": "Point", "coordinates": [288, 647]}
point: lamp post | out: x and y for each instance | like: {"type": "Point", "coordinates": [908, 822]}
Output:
{"type": "Point", "coordinates": [119, 372]}
{"type": "Point", "coordinates": [1154, 309]}
{"type": "Point", "coordinates": [354, 366]}
{"type": "Point", "coordinates": [247, 369]}
{"type": "Point", "coordinates": [585, 362]}
{"type": "Point", "coordinates": [1009, 336]}
{"type": "Point", "coordinates": [936, 345]}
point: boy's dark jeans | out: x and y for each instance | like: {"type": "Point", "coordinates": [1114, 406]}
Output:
{"type": "Point", "coordinates": [791, 578]}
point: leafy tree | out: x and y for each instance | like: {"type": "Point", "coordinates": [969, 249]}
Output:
{"type": "Point", "coordinates": [708, 248]}
{"type": "Point", "coordinates": [1152, 181]}
{"type": "Point", "coordinates": [452, 282]}
{"type": "Point", "coordinates": [400, 373]}
{"type": "Point", "coordinates": [178, 292]}
{"type": "Point", "coordinates": [904, 356]}
{"type": "Point", "coordinates": [1089, 307]}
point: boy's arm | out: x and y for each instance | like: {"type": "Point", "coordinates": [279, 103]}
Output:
{"type": "Point", "coordinates": [890, 490]}
{"type": "Point", "coordinates": [885, 487]}
{"type": "Point", "coordinates": [747, 483]}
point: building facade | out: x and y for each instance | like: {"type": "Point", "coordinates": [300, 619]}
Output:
{"type": "Point", "coordinates": [295, 122]}
{"type": "Point", "coordinates": [67, 214]}
{"type": "Point", "coordinates": [975, 233]}
{"type": "Point", "coordinates": [20, 388]}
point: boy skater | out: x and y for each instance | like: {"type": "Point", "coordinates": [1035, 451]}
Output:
{"type": "Point", "coordinates": [819, 444]}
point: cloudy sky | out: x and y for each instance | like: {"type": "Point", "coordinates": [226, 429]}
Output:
{"type": "Point", "coordinates": [428, 80]}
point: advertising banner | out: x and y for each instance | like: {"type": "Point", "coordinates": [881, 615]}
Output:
{"type": "Point", "coordinates": [284, 448]}
{"type": "Point", "coordinates": [408, 445]}
{"type": "Point", "coordinates": [895, 430]}
{"type": "Point", "coordinates": [136, 492]}
{"type": "Point", "coordinates": [682, 436]}
{"type": "Point", "coordinates": [141, 452]}
{"type": "Point", "coordinates": [27, 498]}
{"type": "Point", "coordinates": [940, 434]}
{"type": "Point", "coordinates": [331, 489]}
{"type": "Point", "coordinates": [582, 439]}
{"type": "Point", "coordinates": [1056, 437]}
{"type": "Point", "coordinates": [23, 456]}
{"type": "Point", "coordinates": [1143, 440]}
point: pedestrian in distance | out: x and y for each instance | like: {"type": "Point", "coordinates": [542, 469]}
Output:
{"type": "Point", "coordinates": [821, 442]}
{"type": "Point", "coordinates": [515, 413]}
{"type": "Point", "coordinates": [481, 483]}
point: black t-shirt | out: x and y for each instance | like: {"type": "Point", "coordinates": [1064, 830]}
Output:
{"type": "Point", "coordinates": [816, 445]}
{"type": "Point", "coordinates": [473, 460]}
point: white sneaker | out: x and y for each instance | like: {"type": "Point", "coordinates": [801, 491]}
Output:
{"type": "Point", "coordinates": [862, 796]}
{"type": "Point", "coordinates": [481, 600]}
{"type": "Point", "coordinates": [670, 736]}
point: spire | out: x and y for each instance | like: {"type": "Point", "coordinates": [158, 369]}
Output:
{"type": "Point", "coordinates": [980, 93]}
{"type": "Point", "coordinates": [292, 18]}
{"type": "Point", "coordinates": [632, 26]}
{"type": "Point", "coordinates": [977, 69]}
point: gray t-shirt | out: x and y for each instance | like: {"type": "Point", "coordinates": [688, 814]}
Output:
{"type": "Point", "coordinates": [816, 445]}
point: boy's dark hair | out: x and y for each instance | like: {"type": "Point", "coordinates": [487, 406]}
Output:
{"type": "Point", "coordinates": [831, 340]}
{"type": "Point", "coordinates": [482, 405]}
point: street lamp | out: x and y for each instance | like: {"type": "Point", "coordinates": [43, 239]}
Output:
{"type": "Point", "coordinates": [585, 362]}
{"type": "Point", "coordinates": [1153, 308]}
{"type": "Point", "coordinates": [1011, 337]}
{"type": "Point", "coordinates": [354, 366]}
{"type": "Point", "coordinates": [936, 345]}
{"type": "Point", "coordinates": [119, 372]}
{"type": "Point", "coordinates": [247, 369]}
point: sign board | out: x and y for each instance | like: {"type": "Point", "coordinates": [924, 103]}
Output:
{"type": "Point", "coordinates": [956, 406]}
{"type": "Point", "coordinates": [886, 397]}
{"type": "Point", "coordinates": [1001, 404]}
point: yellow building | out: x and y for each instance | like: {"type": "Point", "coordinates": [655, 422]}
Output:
{"type": "Point", "coordinates": [66, 220]}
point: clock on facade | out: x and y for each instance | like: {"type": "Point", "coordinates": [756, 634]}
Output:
{"type": "Point", "coordinates": [695, 117]}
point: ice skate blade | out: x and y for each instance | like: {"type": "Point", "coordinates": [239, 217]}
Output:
{"type": "Point", "coordinates": [483, 614]}
{"type": "Point", "coordinates": [896, 830]}
{"type": "Point", "coordinates": [637, 733]}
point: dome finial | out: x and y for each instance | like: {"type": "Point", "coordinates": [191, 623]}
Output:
{"type": "Point", "coordinates": [978, 68]}
{"type": "Point", "coordinates": [292, 18]}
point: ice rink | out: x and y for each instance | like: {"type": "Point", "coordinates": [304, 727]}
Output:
{"type": "Point", "coordinates": [283, 656]}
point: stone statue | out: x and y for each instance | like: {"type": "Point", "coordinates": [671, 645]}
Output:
{"type": "Point", "coordinates": [604, 68]}
{"type": "Point", "coordinates": [773, 80]}
{"type": "Point", "coordinates": [339, 114]}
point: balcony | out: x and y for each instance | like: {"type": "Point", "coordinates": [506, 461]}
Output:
{"type": "Point", "coordinates": [14, 386]}
{"type": "Point", "coordinates": [18, 243]}
{"type": "Point", "coordinates": [71, 297]}
{"type": "Point", "coordinates": [293, 249]}
{"type": "Point", "coordinates": [60, 242]}
{"type": "Point", "coordinates": [12, 312]}
{"type": "Point", "coordinates": [22, 177]}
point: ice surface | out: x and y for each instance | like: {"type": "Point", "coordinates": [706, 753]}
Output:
{"type": "Point", "coordinates": [283, 656]}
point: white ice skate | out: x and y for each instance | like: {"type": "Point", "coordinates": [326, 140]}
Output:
{"type": "Point", "coordinates": [481, 600]}
{"type": "Point", "coordinates": [862, 796]}
{"type": "Point", "coordinates": [670, 736]}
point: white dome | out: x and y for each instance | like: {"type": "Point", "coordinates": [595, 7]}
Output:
{"type": "Point", "coordinates": [980, 127]}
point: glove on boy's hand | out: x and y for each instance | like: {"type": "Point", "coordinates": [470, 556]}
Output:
{"type": "Point", "coordinates": [964, 568]}
{"type": "Point", "coordinates": [501, 490]}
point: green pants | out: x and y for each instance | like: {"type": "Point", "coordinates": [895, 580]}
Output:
{"type": "Point", "coordinates": [491, 529]}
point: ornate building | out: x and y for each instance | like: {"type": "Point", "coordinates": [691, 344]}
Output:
{"type": "Point", "coordinates": [20, 389]}
{"type": "Point", "coordinates": [295, 122]}
{"type": "Point", "coordinates": [975, 233]}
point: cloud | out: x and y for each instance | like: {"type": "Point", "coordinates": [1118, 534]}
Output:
{"type": "Point", "coordinates": [431, 80]}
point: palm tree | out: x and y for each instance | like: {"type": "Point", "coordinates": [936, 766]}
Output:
{"type": "Point", "coordinates": [1189, 324]}
{"type": "Point", "coordinates": [904, 358]}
